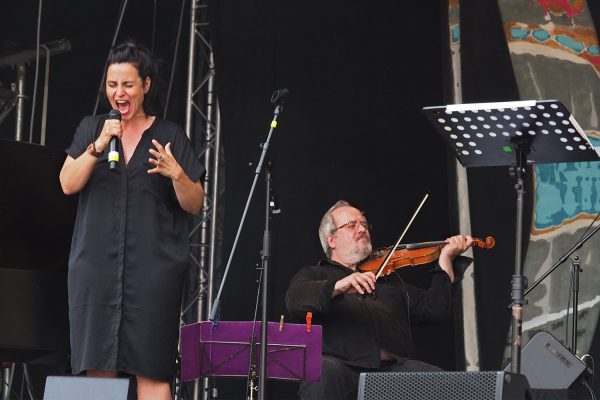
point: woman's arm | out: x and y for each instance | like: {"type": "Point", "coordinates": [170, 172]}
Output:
{"type": "Point", "coordinates": [75, 173]}
{"type": "Point", "coordinates": [189, 193]}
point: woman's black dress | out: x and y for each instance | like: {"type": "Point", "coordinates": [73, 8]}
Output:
{"type": "Point", "coordinates": [128, 257]}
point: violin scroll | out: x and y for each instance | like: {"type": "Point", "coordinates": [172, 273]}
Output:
{"type": "Point", "coordinates": [487, 244]}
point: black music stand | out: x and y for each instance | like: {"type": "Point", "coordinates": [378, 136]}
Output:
{"type": "Point", "coordinates": [512, 134]}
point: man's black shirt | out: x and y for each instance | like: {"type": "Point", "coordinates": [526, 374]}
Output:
{"type": "Point", "coordinates": [355, 328]}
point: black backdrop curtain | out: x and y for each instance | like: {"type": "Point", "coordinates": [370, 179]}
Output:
{"type": "Point", "coordinates": [358, 74]}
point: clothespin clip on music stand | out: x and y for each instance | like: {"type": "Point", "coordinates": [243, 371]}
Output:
{"type": "Point", "coordinates": [513, 134]}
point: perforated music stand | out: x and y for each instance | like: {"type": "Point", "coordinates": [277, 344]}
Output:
{"type": "Point", "coordinates": [211, 349]}
{"type": "Point", "coordinates": [512, 134]}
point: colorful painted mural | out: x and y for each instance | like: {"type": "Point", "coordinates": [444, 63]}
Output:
{"type": "Point", "coordinates": [555, 55]}
{"type": "Point", "coordinates": [559, 7]}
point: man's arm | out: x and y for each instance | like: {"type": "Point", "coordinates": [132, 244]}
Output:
{"type": "Point", "coordinates": [308, 292]}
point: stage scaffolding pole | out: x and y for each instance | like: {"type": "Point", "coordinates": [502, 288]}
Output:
{"type": "Point", "coordinates": [203, 127]}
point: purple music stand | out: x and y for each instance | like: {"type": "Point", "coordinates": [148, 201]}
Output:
{"type": "Point", "coordinates": [222, 349]}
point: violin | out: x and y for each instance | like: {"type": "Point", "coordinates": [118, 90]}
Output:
{"type": "Point", "coordinates": [409, 255]}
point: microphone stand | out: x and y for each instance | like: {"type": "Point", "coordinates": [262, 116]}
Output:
{"type": "Point", "coordinates": [278, 98]}
{"type": "Point", "coordinates": [251, 386]}
{"type": "Point", "coordinates": [271, 208]}
{"type": "Point", "coordinates": [519, 281]}
{"type": "Point", "coordinates": [265, 257]}
{"type": "Point", "coordinates": [576, 270]}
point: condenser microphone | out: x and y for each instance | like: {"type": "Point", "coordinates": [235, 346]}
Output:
{"type": "Point", "coordinates": [113, 147]}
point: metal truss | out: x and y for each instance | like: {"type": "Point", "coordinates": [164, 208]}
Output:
{"type": "Point", "coordinates": [203, 126]}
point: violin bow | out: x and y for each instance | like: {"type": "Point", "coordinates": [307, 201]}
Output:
{"type": "Point", "coordinates": [387, 258]}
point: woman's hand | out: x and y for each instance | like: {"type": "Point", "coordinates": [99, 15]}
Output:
{"type": "Point", "coordinates": [164, 162]}
{"type": "Point", "coordinates": [189, 194]}
{"type": "Point", "coordinates": [112, 127]}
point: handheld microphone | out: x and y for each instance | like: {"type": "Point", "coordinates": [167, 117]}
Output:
{"type": "Point", "coordinates": [113, 147]}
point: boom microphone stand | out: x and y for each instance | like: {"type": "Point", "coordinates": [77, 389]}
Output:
{"type": "Point", "coordinates": [270, 210]}
{"type": "Point", "coordinates": [278, 99]}
{"type": "Point", "coordinates": [265, 257]}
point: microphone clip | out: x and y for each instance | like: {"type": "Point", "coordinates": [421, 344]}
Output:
{"type": "Point", "coordinates": [279, 96]}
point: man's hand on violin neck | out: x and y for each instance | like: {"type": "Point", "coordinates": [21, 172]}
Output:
{"type": "Point", "coordinates": [358, 282]}
{"type": "Point", "coordinates": [456, 246]}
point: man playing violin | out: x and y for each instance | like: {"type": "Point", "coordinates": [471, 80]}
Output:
{"type": "Point", "coordinates": [364, 332]}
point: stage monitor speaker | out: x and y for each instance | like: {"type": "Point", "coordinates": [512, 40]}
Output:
{"type": "Point", "coordinates": [77, 388]}
{"type": "Point", "coordinates": [548, 364]}
{"type": "Point", "coordinates": [487, 385]}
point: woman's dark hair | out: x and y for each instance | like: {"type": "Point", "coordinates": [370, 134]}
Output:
{"type": "Point", "coordinates": [132, 52]}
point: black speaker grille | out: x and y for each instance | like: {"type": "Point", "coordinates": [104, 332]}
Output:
{"type": "Point", "coordinates": [431, 385]}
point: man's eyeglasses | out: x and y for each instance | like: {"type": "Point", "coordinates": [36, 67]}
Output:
{"type": "Point", "coordinates": [353, 225]}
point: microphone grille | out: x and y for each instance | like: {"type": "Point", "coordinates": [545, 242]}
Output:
{"type": "Point", "coordinates": [114, 114]}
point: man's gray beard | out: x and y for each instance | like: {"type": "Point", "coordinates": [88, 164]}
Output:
{"type": "Point", "coordinates": [356, 253]}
